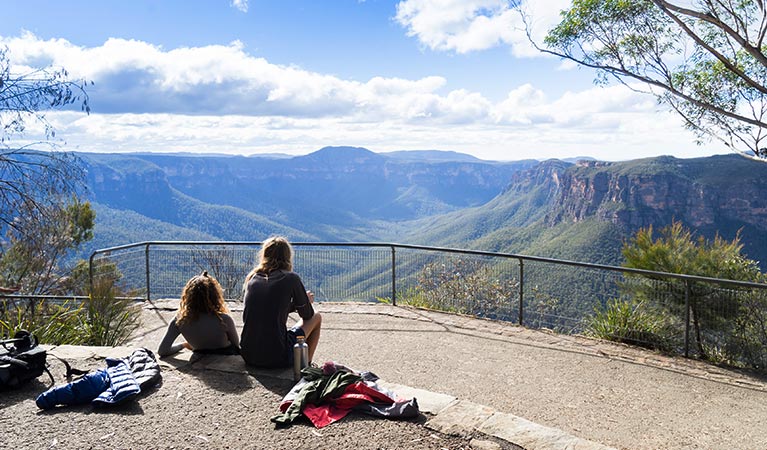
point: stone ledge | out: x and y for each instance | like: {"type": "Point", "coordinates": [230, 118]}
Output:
{"type": "Point", "coordinates": [532, 436]}
{"type": "Point", "coordinates": [428, 402]}
{"type": "Point", "coordinates": [461, 418]}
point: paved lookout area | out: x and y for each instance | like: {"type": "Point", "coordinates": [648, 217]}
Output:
{"type": "Point", "coordinates": [493, 384]}
{"type": "Point", "coordinates": [602, 392]}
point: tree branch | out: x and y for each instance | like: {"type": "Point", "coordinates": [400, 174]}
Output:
{"type": "Point", "coordinates": [756, 53]}
{"type": "Point", "coordinates": [618, 71]}
{"type": "Point", "coordinates": [723, 59]}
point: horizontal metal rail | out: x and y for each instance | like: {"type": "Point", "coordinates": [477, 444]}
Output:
{"type": "Point", "coordinates": [46, 297]}
{"type": "Point", "coordinates": [649, 273]}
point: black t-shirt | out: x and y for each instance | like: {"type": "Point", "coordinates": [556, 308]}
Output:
{"type": "Point", "coordinates": [268, 301]}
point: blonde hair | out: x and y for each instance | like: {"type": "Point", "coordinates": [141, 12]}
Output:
{"type": "Point", "coordinates": [202, 294]}
{"type": "Point", "coordinates": [276, 254]}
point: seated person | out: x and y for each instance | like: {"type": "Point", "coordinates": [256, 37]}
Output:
{"type": "Point", "coordinates": [272, 291]}
{"type": "Point", "coordinates": [203, 320]}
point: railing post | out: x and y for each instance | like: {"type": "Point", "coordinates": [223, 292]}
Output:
{"type": "Point", "coordinates": [393, 277]}
{"type": "Point", "coordinates": [521, 291]}
{"type": "Point", "coordinates": [686, 318]}
{"type": "Point", "coordinates": [90, 274]}
{"type": "Point", "coordinates": [146, 262]}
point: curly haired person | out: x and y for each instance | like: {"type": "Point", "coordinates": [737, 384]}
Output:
{"type": "Point", "coordinates": [203, 320]}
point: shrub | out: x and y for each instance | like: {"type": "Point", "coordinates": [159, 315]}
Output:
{"type": "Point", "coordinates": [54, 324]}
{"type": "Point", "coordinates": [103, 319]}
{"type": "Point", "coordinates": [465, 287]}
{"type": "Point", "coordinates": [632, 323]}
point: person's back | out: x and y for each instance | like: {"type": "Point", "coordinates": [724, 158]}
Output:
{"type": "Point", "coordinates": [268, 301]}
{"type": "Point", "coordinates": [272, 291]}
{"type": "Point", "coordinates": [202, 320]}
{"type": "Point", "coordinates": [208, 331]}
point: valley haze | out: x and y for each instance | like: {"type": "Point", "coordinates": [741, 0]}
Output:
{"type": "Point", "coordinates": [582, 210]}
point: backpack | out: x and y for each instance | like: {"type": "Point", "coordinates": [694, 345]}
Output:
{"type": "Point", "coordinates": [21, 360]}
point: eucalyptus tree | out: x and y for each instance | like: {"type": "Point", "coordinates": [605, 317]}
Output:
{"type": "Point", "coordinates": [40, 212]}
{"type": "Point", "coordinates": [706, 59]}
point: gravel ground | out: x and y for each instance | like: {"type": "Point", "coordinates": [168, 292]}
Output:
{"type": "Point", "coordinates": [198, 408]}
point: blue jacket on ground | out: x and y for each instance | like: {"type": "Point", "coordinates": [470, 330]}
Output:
{"type": "Point", "coordinates": [122, 380]}
{"type": "Point", "coordinates": [76, 393]}
{"type": "Point", "coordinates": [122, 383]}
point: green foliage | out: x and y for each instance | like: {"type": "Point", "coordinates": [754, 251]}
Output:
{"type": "Point", "coordinates": [706, 60]}
{"type": "Point", "coordinates": [748, 339]}
{"type": "Point", "coordinates": [728, 323]}
{"type": "Point", "coordinates": [105, 318]}
{"type": "Point", "coordinates": [634, 323]}
{"type": "Point", "coordinates": [111, 319]}
{"type": "Point", "coordinates": [37, 248]}
{"type": "Point", "coordinates": [54, 324]}
{"type": "Point", "coordinates": [463, 286]}
{"type": "Point", "coordinates": [676, 250]}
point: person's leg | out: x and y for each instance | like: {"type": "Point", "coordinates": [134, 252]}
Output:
{"type": "Point", "coordinates": [311, 329]}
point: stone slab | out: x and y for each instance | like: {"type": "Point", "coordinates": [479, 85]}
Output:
{"type": "Point", "coordinates": [176, 361]}
{"type": "Point", "coordinates": [461, 418]}
{"type": "Point", "coordinates": [282, 374]}
{"type": "Point", "coordinates": [85, 352]}
{"type": "Point", "coordinates": [222, 363]}
{"type": "Point", "coordinates": [428, 402]}
{"type": "Point", "coordinates": [532, 436]}
{"type": "Point", "coordinates": [482, 444]}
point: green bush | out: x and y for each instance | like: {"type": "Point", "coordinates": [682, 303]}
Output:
{"type": "Point", "coordinates": [51, 323]}
{"type": "Point", "coordinates": [103, 319]}
{"type": "Point", "coordinates": [465, 287]}
{"type": "Point", "coordinates": [632, 323]}
{"type": "Point", "coordinates": [111, 320]}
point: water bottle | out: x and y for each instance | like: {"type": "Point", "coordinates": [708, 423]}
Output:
{"type": "Point", "coordinates": [300, 357]}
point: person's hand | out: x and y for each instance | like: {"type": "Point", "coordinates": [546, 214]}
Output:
{"type": "Point", "coordinates": [187, 346]}
{"type": "Point", "coordinates": [310, 294]}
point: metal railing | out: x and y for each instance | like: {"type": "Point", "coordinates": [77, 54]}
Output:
{"type": "Point", "coordinates": [536, 292]}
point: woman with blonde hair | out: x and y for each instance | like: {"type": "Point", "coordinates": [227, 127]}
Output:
{"type": "Point", "coordinates": [272, 291]}
{"type": "Point", "coordinates": [203, 319]}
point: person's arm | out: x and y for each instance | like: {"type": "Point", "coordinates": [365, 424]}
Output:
{"type": "Point", "coordinates": [301, 300]}
{"type": "Point", "coordinates": [231, 330]}
{"type": "Point", "coordinates": [167, 347]}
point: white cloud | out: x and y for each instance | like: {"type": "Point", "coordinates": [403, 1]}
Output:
{"type": "Point", "coordinates": [222, 99]}
{"type": "Point", "coordinates": [241, 5]}
{"type": "Point", "coordinates": [463, 26]}
{"type": "Point", "coordinates": [133, 77]}
{"type": "Point", "coordinates": [609, 136]}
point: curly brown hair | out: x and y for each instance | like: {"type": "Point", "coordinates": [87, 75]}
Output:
{"type": "Point", "coordinates": [202, 294]}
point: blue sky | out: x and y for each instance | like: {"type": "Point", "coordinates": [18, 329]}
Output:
{"type": "Point", "coordinates": [292, 76]}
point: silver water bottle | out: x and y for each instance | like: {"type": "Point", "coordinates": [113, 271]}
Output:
{"type": "Point", "coordinates": [300, 357]}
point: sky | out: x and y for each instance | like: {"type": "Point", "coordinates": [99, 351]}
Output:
{"type": "Point", "coordinates": [292, 76]}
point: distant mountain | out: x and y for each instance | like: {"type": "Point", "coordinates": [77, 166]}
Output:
{"type": "Point", "coordinates": [335, 193]}
{"type": "Point", "coordinates": [584, 211]}
{"type": "Point", "coordinates": [431, 155]}
{"type": "Point", "coordinates": [270, 155]}
{"type": "Point", "coordinates": [576, 159]}
{"type": "Point", "coordinates": [580, 211]}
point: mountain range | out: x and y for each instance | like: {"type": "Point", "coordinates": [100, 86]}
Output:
{"type": "Point", "coordinates": [582, 209]}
